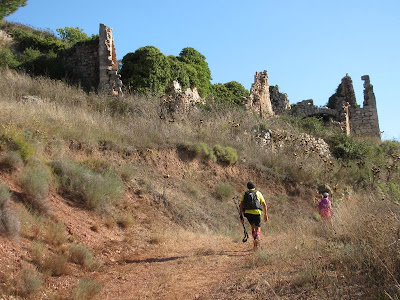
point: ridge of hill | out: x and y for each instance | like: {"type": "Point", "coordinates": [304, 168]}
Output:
{"type": "Point", "coordinates": [108, 200]}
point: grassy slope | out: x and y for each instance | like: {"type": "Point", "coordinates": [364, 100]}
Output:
{"type": "Point", "coordinates": [166, 188]}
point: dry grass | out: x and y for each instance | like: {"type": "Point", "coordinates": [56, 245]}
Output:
{"type": "Point", "coordinates": [11, 161]}
{"type": "Point", "coordinates": [9, 223]}
{"type": "Point", "coordinates": [81, 255]}
{"type": "Point", "coordinates": [28, 282]}
{"type": "Point", "coordinates": [35, 180]}
{"type": "Point", "coordinates": [86, 289]}
{"type": "Point", "coordinates": [55, 265]}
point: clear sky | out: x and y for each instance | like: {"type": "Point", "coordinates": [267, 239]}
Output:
{"type": "Point", "coordinates": [306, 46]}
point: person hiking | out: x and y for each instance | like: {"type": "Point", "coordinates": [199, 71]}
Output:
{"type": "Point", "coordinates": [252, 204]}
{"type": "Point", "coordinates": [324, 207]}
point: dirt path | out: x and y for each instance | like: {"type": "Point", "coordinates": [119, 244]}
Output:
{"type": "Point", "coordinates": [192, 273]}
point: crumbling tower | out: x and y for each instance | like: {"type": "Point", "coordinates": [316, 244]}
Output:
{"type": "Point", "coordinates": [109, 79]}
{"type": "Point", "coordinates": [364, 121]}
{"type": "Point", "coordinates": [260, 100]}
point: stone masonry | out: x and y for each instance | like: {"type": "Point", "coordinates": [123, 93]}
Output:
{"type": "Point", "coordinates": [364, 121]}
{"type": "Point", "coordinates": [260, 101]}
{"type": "Point", "coordinates": [280, 101]}
{"type": "Point", "coordinates": [109, 79]}
{"type": "Point", "coordinates": [82, 64]}
{"type": "Point", "coordinates": [94, 64]}
{"type": "Point", "coordinates": [343, 108]}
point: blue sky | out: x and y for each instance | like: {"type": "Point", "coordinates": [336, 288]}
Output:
{"type": "Point", "coordinates": [306, 46]}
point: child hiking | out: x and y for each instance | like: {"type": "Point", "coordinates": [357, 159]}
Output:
{"type": "Point", "coordinates": [252, 204]}
{"type": "Point", "coordinates": [324, 207]}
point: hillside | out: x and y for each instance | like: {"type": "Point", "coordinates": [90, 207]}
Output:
{"type": "Point", "coordinates": [108, 200]}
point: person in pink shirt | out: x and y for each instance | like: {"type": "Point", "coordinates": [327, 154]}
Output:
{"type": "Point", "coordinates": [324, 207]}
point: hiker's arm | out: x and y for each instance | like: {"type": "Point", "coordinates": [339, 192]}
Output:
{"type": "Point", "coordinates": [265, 212]}
{"type": "Point", "coordinates": [241, 213]}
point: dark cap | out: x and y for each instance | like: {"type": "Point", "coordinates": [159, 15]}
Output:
{"type": "Point", "coordinates": [250, 185]}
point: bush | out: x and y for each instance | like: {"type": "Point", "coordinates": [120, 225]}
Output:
{"type": "Point", "coordinates": [9, 223]}
{"type": "Point", "coordinates": [224, 191]}
{"type": "Point", "coordinates": [80, 254]}
{"type": "Point", "coordinates": [95, 191]}
{"type": "Point", "coordinates": [11, 161]}
{"type": "Point", "coordinates": [87, 289]}
{"type": "Point", "coordinates": [17, 142]}
{"type": "Point", "coordinates": [55, 265]}
{"type": "Point", "coordinates": [28, 282]}
{"type": "Point", "coordinates": [55, 233]}
{"type": "Point", "coordinates": [35, 181]}
{"type": "Point", "coordinates": [7, 59]}
{"type": "Point", "coordinates": [347, 148]}
{"type": "Point", "coordinates": [226, 155]}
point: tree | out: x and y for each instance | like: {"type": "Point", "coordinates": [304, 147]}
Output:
{"type": "Point", "coordinates": [199, 72]}
{"type": "Point", "coordinates": [7, 7]}
{"type": "Point", "coordinates": [230, 92]}
{"type": "Point", "coordinates": [146, 71]}
{"type": "Point", "coordinates": [179, 72]}
{"type": "Point", "coordinates": [72, 35]}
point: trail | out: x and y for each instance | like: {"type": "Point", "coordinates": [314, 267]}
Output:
{"type": "Point", "coordinates": [193, 273]}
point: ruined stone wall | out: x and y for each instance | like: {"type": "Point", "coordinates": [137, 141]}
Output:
{"type": "Point", "coordinates": [82, 64]}
{"type": "Point", "coordinates": [307, 108]}
{"type": "Point", "coordinates": [364, 121]}
{"type": "Point", "coordinates": [108, 66]}
{"type": "Point", "coordinates": [280, 101]}
{"type": "Point", "coordinates": [260, 101]}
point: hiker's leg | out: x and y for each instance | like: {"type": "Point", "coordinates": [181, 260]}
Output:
{"type": "Point", "coordinates": [257, 234]}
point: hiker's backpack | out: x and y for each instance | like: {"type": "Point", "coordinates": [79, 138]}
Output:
{"type": "Point", "coordinates": [250, 200]}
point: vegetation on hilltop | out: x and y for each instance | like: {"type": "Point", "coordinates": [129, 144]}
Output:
{"type": "Point", "coordinates": [7, 7]}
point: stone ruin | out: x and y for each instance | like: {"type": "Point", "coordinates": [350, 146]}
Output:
{"type": "Point", "coordinates": [343, 107]}
{"type": "Point", "coordinates": [94, 64]}
{"type": "Point", "coordinates": [178, 101]}
{"type": "Point", "coordinates": [260, 100]}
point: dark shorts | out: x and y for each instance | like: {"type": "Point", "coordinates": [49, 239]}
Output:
{"type": "Point", "coordinates": [254, 219]}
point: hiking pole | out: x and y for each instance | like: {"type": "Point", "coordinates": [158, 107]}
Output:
{"type": "Point", "coordinates": [246, 236]}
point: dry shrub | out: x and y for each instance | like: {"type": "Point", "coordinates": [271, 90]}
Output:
{"type": "Point", "coordinates": [38, 253]}
{"type": "Point", "coordinates": [224, 191]}
{"type": "Point", "coordinates": [96, 191]}
{"type": "Point", "coordinates": [87, 289]}
{"type": "Point", "coordinates": [80, 254]}
{"type": "Point", "coordinates": [35, 181]}
{"type": "Point", "coordinates": [367, 238]}
{"type": "Point", "coordinates": [9, 223]}
{"type": "Point", "coordinates": [28, 282]}
{"type": "Point", "coordinates": [55, 265]}
{"type": "Point", "coordinates": [125, 221]}
{"type": "Point", "coordinates": [55, 233]}
{"type": "Point", "coordinates": [11, 161]}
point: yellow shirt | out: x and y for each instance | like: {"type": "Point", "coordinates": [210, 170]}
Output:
{"type": "Point", "coordinates": [254, 211]}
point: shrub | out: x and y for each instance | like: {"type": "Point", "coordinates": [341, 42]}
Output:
{"type": "Point", "coordinates": [9, 223]}
{"type": "Point", "coordinates": [55, 265]}
{"type": "Point", "coordinates": [17, 142]}
{"type": "Point", "coordinates": [125, 221]}
{"type": "Point", "coordinates": [35, 181]}
{"type": "Point", "coordinates": [37, 253]}
{"type": "Point", "coordinates": [87, 289]}
{"type": "Point", "coordinates": [224, 191]}
{"type": "Point", "coordinates": [80, 254]}
{"type": "Point", "coordinates": [226, 155]}
{"type": "Point", "coordinates": [28, 282]}
{"type": "Point", "coordinates": [95, 191]}
{"type": "Point", "coordinates": [55, 233]}
{"type": "Point", "coordinates": [347, 148]}
{"type": "Point", "coordinates": [7, 59]}
{"type": "Point", "coordinates": [11, 161]}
